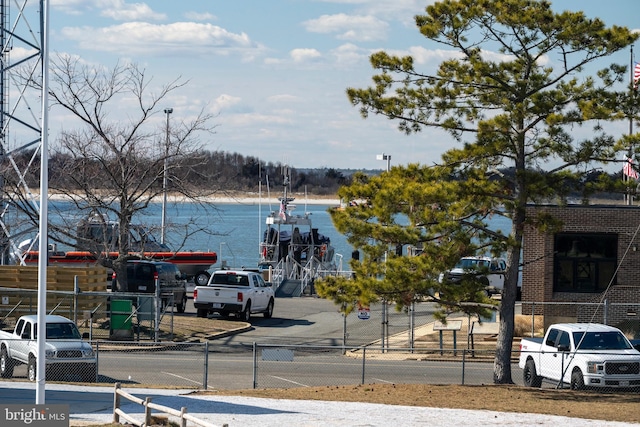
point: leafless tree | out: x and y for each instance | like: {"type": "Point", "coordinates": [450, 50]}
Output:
{"type": "Point", "coordinates": [111, 168]}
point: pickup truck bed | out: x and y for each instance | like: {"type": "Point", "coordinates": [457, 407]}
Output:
{"type": "Point", "coordinates": [238, 292]}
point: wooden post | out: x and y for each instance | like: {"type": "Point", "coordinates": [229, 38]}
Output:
{"type": "Point", "coordinates": [183, 421]}
{"type": "Point", "coordinates": [116, 403]}
{"type": "Point", "coordinates": [147, 411]}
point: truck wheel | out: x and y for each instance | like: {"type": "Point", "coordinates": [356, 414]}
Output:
{"type": "Point", "coordinates": [201, 278]}
{"type": "Point", "coordinates": [529, 375]}
{"type": "Point", "coordinates": [577, 380]}
{"type": "Point", "coordinates": [182, 304]}
{"type": "Point", "coordinates": [202, 312]}
{"type": "Point", "coordinates": [31, 369]}
{"type": "Point", "coordinates": [245, 315]}
{"type": "Point", "coordinates": [269, 311]}
{"type": "Point", "coordinates": [6, 364]}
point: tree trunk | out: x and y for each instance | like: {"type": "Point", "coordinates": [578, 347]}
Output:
{"type": "Point", "coordinates": [502, 361]}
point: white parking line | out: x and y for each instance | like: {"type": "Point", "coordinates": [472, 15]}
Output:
{"type": "Point", "coordinates": [383, 381]}
{"type": "Point", "coordinates": [289, 381]}
{"type": "Point", "coordinates": [181, 377]}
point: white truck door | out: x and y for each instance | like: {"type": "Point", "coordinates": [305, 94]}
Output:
{"type": "Point", "coordinates": [260, 301]}
{"type": "Point", "coordinates": [21, 346]}
{"type": "Point", "coordinates": [554, 356]}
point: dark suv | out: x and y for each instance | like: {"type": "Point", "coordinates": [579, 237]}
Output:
{"type": "Point", "coordinates": [142, 277]}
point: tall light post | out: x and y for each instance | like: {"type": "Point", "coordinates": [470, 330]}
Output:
{"type": "Point", "coordinates": [167, 111]}
{"type": "Point", "coordinates": [385, 313]}
{"type": "Point", "coordinates": [386, 157]}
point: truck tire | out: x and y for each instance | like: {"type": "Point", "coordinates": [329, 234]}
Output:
{"type": "Point", "coordinates": [577, 380]}
{"type": "Point", "coordinates": [269, 311]}
{"type": "Point", "coordinates": [6, 364]}
{"type": "Point", "coordinates": [32, 371]}
{"type": "Point", "coordinates": [201, 278]}
{"type": "Point", "coordinates": [202, 312]}
{"type": "Point", "coordinates": [245, 315]}
{"type": "Point", "coordinates": [529, 375]}
{"type": "Point", "coordinates": [182, 304]}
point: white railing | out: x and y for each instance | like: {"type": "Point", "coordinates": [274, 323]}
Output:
{"type": "Point", "coordinates": [148, 406]}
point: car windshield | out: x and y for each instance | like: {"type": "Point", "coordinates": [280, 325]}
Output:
{"type": "Point", "coordinates": [468, 263]}
{"type": "Point", "coordinates": [601, 341]}
{"type": "Point", "coordinates": [230, 279]}
{"type": "Point", "coordinates": [61, 331]}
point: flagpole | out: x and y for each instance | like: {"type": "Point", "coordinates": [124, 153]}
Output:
{"type": "Point", "coordinates": [629, 197]}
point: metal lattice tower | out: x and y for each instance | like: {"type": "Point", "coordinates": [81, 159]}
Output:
{"type": "Point", "coordinates": [21, 38]}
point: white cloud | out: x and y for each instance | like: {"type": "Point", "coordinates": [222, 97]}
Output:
{"type": "Point", "coordinates": [18, 53]}
{"type": "Point", "coordinates": [349, 27]}
{"type": "Point", "coordinates": [304, 55]}
{"type": "Point", "coordinates": [283, 98]}
{"type": "Point", "coordinates": [119, 10]}
{"type": "Point", "coordinates": [401, 10]}
{"type": "Point", "coordinates": [200, 16]}
{"type": "Point", "coordinates": [225, 102]}
{"type": "Point", "coordinates": [349, 54]}
{"type": "Point", "coordinates": [179, 38]}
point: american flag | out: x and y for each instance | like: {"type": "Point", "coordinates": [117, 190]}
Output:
{"type": "Point", "coordinates": [283, 210]}
{"type": "Point", "coordinates": [636, 75]}
{"type": "Point", "coordinates": [628, 169]}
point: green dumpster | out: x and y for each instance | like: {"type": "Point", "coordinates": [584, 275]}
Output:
{"type": "Point", "coordinates": [121, 325]}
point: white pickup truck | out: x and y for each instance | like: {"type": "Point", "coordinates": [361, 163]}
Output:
{"type": "Point", "coordinates": [491, 271]}
{"type": "Point", "coordinates": [66, 352]}
{"type": "Point", "coordinates": [234, 291]}
{"type": "Point", "coordinates": [581, 355]}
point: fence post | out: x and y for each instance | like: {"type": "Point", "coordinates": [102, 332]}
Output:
{"type": "Point", "coordinates": [76, 291]}
{"type": "Point", "coordinates": [147, 411]}
{"type": "Point", "coordinates": [364, 356]}
{"type": "Point", "coordinates": [412, 325]}
{"type": "Point", "coordinates": [205, 380]}
{"type": "Point", "coordinates": [605, 311]}
{"type": "Point", "coordinates": [533, 318]}
{"type": "Point", "coordinates": [464, 359]}
{"type": "Point", "coordinates": [183, 421]}
{"type": "Point", "coordinates": [255, 365]}
{"type": "Point", "coordinates": [157, 307]}
{"type": "Point", "coordinates": [116, 403]}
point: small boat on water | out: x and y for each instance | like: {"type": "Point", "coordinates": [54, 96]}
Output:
{"type": "Point", "coordinates": [293, 251]}
{"type": "Point", "coordinates": [101, 234]}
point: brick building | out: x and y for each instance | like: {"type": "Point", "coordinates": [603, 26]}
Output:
{"type": "Point", "coordinates": [592, 261]}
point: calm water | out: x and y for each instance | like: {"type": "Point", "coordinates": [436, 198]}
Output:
{"type": "Point", "coordinates": [238, 229]}
{"type": "Point", "coordinates": [234, 230]}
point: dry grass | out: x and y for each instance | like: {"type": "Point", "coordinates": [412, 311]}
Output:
{"type": "Point", "coordinates": [621, 407]}
{"type": "Point", "coordinates": [505, 398]}
{"type": "Point", "coordinates": [588, 405]}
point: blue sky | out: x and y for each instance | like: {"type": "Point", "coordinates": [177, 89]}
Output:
{"type": "Point", "coordinates": [274, 71]}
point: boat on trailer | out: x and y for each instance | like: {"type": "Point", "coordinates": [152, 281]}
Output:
{"type": "Point", "coordinates": [96, 233]}
{"type": "Point", "coordinates": [292, 251]}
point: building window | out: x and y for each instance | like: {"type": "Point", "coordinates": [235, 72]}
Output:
{"type": "Point", "coordinates": [584, 262]}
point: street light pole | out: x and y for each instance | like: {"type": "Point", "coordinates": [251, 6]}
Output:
{"type": "Point", "coordinates": [167, 111]}
{"type": "Point", "coordinates": [386, 157]}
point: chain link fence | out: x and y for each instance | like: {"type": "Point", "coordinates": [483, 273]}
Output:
{"type": "Point", "coordinates": [101, 315]}
{"type": "Point", "coordinates": [380, 345]}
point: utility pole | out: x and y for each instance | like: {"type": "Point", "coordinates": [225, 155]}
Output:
{"type": "Point", "coordinates": [167, 111]}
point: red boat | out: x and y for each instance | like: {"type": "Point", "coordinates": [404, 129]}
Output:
{"type": "Point", "coordinates": [193, 264]}
{"type": "Point", "coordinates": [97, 231]}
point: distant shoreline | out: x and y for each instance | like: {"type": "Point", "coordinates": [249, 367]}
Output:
{"type": "Point", "coordinates": [255, 200]}
{"type": "Point", "coordinates": [242, 199]}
